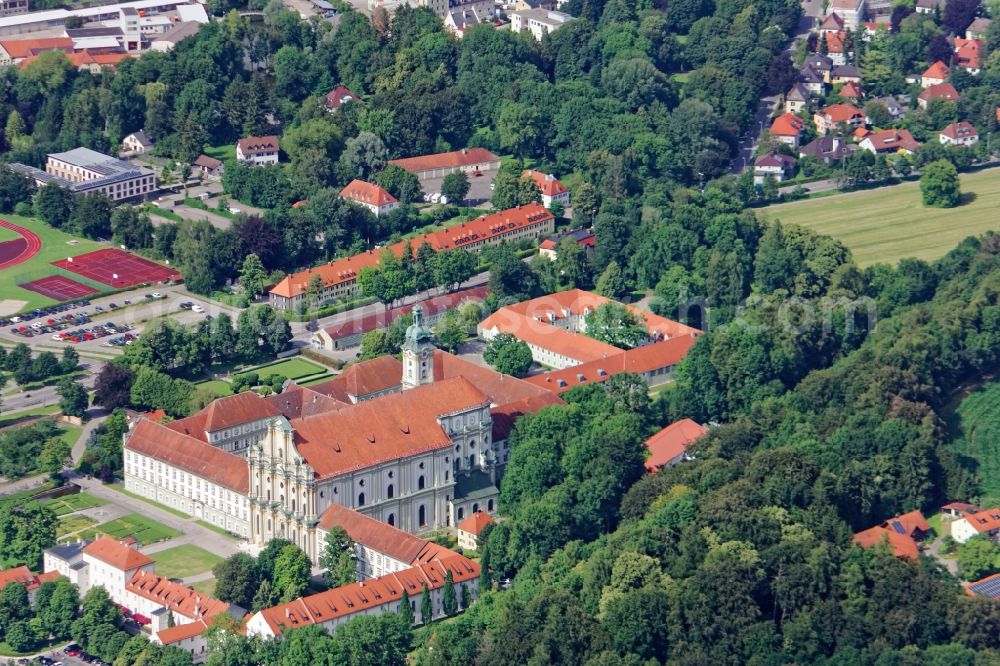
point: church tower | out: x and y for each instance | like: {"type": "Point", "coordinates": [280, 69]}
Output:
{"type": "Point", "coordinates": [418, 352]}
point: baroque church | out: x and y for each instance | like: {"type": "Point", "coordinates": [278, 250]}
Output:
{"type": "Point", "coordinates": [417, 445]}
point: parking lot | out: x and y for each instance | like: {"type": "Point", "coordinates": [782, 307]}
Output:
{"type": "Point", "coordinates": [60, 657]}
{"type": "Point", "coordinates": [479, 187]}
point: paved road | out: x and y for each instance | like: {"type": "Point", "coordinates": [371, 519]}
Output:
{"type": "Point", "coordinates": [47, 395]}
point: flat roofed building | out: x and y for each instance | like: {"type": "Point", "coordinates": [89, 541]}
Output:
{"type": "Point", "coordinates": [539, 22]}
{"type": "Point", "coordinates": [83, 170]}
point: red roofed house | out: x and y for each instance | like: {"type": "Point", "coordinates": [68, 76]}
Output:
{"type": "Point", "coordinates": [668, 447]}
{"type": "Point", "coordinates": [959, 134]}
{"type": "Point", "coordinates": [832, 23]}
{"type": "Point", "coordinates": [552, 190]}
{"type": "Point", "coordinates": [105, 562]}
{"type": "Point", "coordinates": [902, 533]}
{"type": "Point", "coordinates": [836, 50]}
{"type": "Point", "coordinates": [787, 128]}
{"type": "Point", "coordinates": [470, 160]}
{"type": "Point", "coordinates": [936, 74]}
{"type": "Point", "coordinates": [22, 576]}
{"type": "Point", "coordinates": [339, 95]}
{"type": "Point", "coordinates": [340, 277]}
{"type": "Point", "coordinates": [468, 530]}
{"type": "Point", "coordinates": [208, 166]}
{"type": "Point", "coordinates": [258, 150]}
{"type": "Point", "coordinates": [835, 115]}
{"type": "Point", "coordinates": [970, 524]}
{"type": "Point", "coordinates": [944, 91]}
{"type": "Point", "coordinates": [968, 54]}
{"type": "Point", "coordinates": [372, 197]}
{"type": "Point", "coordinates": [852, 91]}
{"type": "Point", "coordinates": [585, 238]}
{"type": "Point", "coordinates": [890, 141]}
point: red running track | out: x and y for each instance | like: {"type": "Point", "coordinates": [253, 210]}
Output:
{"type": "Point", "coordinates": [32, 245]}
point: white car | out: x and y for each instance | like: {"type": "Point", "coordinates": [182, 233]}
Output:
{"type": "Point", "coordinates": [57, 337]}
{"type": "Point", "coordinates": [435, 197]}
{"type": "Point", "coordinates": [444, 199]}
{"type": "Point", "coordinates": [197, 308]}
{"type": "Point", "coordinates": [157, 294]}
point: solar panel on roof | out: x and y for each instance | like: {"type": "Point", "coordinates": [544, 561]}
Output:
{"type": "Point", "coordinates": [989, 587]}
{"type": "Point", "coordinates": [898, 526]}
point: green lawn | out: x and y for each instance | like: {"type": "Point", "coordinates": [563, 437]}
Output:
{"type": "Point", "coordinates": [292, 368]}
{"type": "Point", "coordinates": [975, 436]}
{"type": "Point", "coordinates": [16, 499]}
{"type": "Point", "coordinates": [219, 387]}
{"type": "Point", "coordinates": [72, 503]}
{"type": "Point", "coordinates": [221, 153]}
{"type": "Point", "coordinates": [146, 530]}
{"type": "Point", "coordinates": [889, 223]}
{"type": "Point", "coordinates": [317, 380]}
{"type": "Point", "coordinates": [55, 246]}
{"type": "Point", "coordinates": [10, 418]}
{"type": "Point", "coordinates": [206, 587]}
{"type": "Point", "coordinates": [184, 561]}
{"type": "Point", "coordinates": [73, 523]}
{"type": "Point", "coordinates": [69, 434]}
{"type": "Point", "coordinates": [168, 509]}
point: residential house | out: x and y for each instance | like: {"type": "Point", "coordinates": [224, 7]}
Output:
{"type": "Point", "coordinates": [974, 523]}
{"type": "Point", "coordinates": [929, 6]}
{"type": "Point", "coordinates": [208, 166]}
{"type": "Point", "coordinates": [669, 446]}
{"type": "Point", "coordinates": [787, 128]}
{"type": "Point", "coordinates": [850, 11]}
{"type": "Point", "coordinates": [777, 165]}
{"type": "Point", "coordinates": [893, 106]}
{"type": "Point", "coordinates": [468, 530]}
{"type": "Point", "coordinates": [585, 238]}
{"type": "Point", "coordinates": [978, 29]}
{"type": "Point", "coordinates": [137, 143]}
{"type": "Point", "coordinates": [968, 54]}
{"type": "Point", "coordinates": [852, 91]}
{"type": "Point", "coordinates": [837, 115]}
{"type": "Point", "coordinates": [902, 533]}
{"type": "Point", "coordinates": [832, 23]}
{"type": "Point", "coordinates": [339, 95]}
{"type": "Point", "coordinates": [826, 148]}
{"type": "Point", "coordinates": [944, 91]}
{"type": "Point", "coordinates": [835, 47]}
{"type": "Point", "coordinates": [935, 75]}
{"type": "Point", "coordinates": [821, 63]}
{"type": "Point", "coordinates": [984, 587]}
{"type": "Point", "coordinates": [552, 190]}
{"type": "Point", "coordinates": [890, 141]}
{"type": "Point", "coordinates": [539, 22]}
{"type": "Point", "coordinates": [845, 74]}
{"type": "Point", "coordinates": [813, 81]}
{"type": "Point", "coordinates": [797, 98]}
{"type": "Point", "coordinates": [371, 196]}
{"type": "Point", "coordinates": [462, 16]}
{"type": "Point", "coordinates": [22, 575]}
{"type": "Point", "coordinates": [959, 134]}
{"type": "Point", "coordinates": [860, 134]}
{"type": "Point", "coordinates": [257, 150]}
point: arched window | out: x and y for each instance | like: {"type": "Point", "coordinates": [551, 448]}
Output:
{"type": "Point", "coordinates": [421, 516]}
{"type": "Point", "coordinates": [268, 494]}
{"type": "Point", "coordinates": [392, 519]}
{"type": "Point", "coordinates": [489, 505]}
{"type": "Point", "coordinates": [461, 513]}
{"type": "Point", "coordinates": [475, 507]}
{"type": "Point", "coordinates": [293, 505]}
{"type": "Point", "coordinates": [420, 482]}
{"type": "Point", "coordinates": [472, 461]}
{"type": "Point", "coordinates": [361, 499]}
{"type": "Point", "coordinates": [389, 492]}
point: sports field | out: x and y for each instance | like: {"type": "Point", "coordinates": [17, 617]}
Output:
{"type": "Point", "coordinates": [974, 428]}
{"type": "Point", "coordinates": [55, 246]}
{"type": "Point", "coordinates": [890, 223]}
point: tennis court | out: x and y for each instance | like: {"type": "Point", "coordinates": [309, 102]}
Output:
{"type": "Point", "coordinates": [59, 288]}
{"type": "Point", "coordinates": [117, 268]}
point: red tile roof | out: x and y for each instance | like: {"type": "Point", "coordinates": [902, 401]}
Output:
{"type": "Point", "coordinates": [851, 90]}
{"type": "Point", "coordinates": [181, 632]}
{"type": "Point", "coordinates": [901, 545]}
{"type": "Point", "coordinates": [396, 426]}
{"type": "Point", "coordinates": [892, 140]}
{"type": "Point", "coordinates": [787, 124]}
{"type": "Point", "coordinates": [453, 160]}
{"type": "Point", "coordinates": [671, 442]}
{"type": "Point", "coordinates": [939, 91]}
{"type": "Point", "coordinates": [338, 96]}
{"type": "Point", "coordinates": [842, 113]}
{"type": "Point", "coordinates": [176, 596]}
{"type": "Point", "coordinates": [968, 53]}
{"type": "Point", "coordinates": [297, 401]}
{"type": "Point", "coordinates": [22, 48]}
{"type": "Point", "coordinates": [476, 523]}
{"type": "Point", "coordinates": [116, 553]}
{"type": "Point", "coordinates": [207, 162]}
{"type": "Point", "coordinates": [23, 576]}
{"type": "Point", "coordinates": [382, 537]}
{"type": "Point", "coordinates": [547, 184]}
{"type": "Point", "coordinates": [360, 597]}
{"type": "Point", "coordinates": [985, 520]}
{"type": "Point", "coordinates": [481, 229]}
{"type": "Point", "coordinates": [938, 70]}
{"type": "Point", "coordinates": [960, 130]}
{"type": "Point", "coordinates": [190, 454]}
{"type": "Point", "coordinates": [237, 409]}
{"type": "Point", "coordinates": [378, 374]}
{"type": "Point", "coordinates": [835, 42]}
{"type": "Point", "coordinates": [255, 145]}
{"type": "Point", "coordinates": [367, 193]}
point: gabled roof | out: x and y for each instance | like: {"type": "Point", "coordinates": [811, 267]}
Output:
{"type": "Point", "coordinates": [476, 523]}
{"type": "Point", "coordinates": [23, 576]}
{"type": "Point", "coordinates": [938, 70]}
{"type": "Point", "coordinates": [381, 537]}
{"type": "Point", "coordinates": [141, 137]}
{"type": "Point", "coordinates": [967, 52]}
{"type": "Point", "coordinates": [810, 75]}
{"type": "Point", "coordinates": [828, 146]}
{"type": "Point", "coordinates": [985, 520]}
{"type": "Point", "coordinates": [798, 93]}
{"type": "Point", "coordinates": [818, 62]}
{"type": "Point", "coordinates": [255, 145]}
{"type": "Point", "coordinates": [175, 596]}
{"type": "Point", "coordinates": [959, 130]}
{"type": "Point", "coordinates": [297, 401]}
{"type": "Point", "coordinates": [190, 454]}
{"type": "Point", "coordinates": [892, 140]}
{"type": "Point", "coordinates": [939, 91]}
{"type": "Point", "coordinates": [832, 22]}
{"type": "Point", "coordinates": [451, 160]}
{"type": "Point", "coordinates": [340, 95]}
{"type": "Point", "coordinates": [841, 113]}
{"type": "Point", "coordinates": [207, 162]}
{"type": "Point", "coordinates": [901, 545]}
{"type": "Point", "coordinates": [671, 442]}
{"type": "Point", "coordinates": [378, 374]}
{"type": "Point", "coordinates": [846, 71]}
{"type": "Point", "coordinates": [775, 160]}
{"type": "Point", "coordinates": [547, 184]}
{"type": "Point", "coordinates": [979, 27]}
{"type": "Point", "coordinates": [181, 632]}
{"type": "Point", "coordinates": [116, 553]}
{"type": "Point", "coordinates": [237, 409]}
{"type": "Point", "coordinates": [787, 124]}
{"type": "Point", "coordinates": [851, 90]}
{"type": "Point", "coordinates": [367, 193]}
{"type": "Point", "coordinates": [22, 48]}
{"type": "Point", "coordinates": [835, 42]}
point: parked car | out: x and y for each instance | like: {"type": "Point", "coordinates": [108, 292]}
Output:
{"type": "Point", "coordinates": [197, 308]}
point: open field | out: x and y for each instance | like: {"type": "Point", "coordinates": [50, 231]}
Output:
{"type": "Point", "coordinates": [217, 386]}
{"type": "Point", "coordinates": [292, 368]}
{"type": "Point", "coordinates": [146, 530]}
{"type": "Point", "coordinates": [890, 223]}
{"type": "Point", "coordinates": [55, 246]}
{"type": "Point", "coordinates": [71, 503]}
{"type": "Point", "coordinates": [70, 524]}
{"type": "Point", "coordinates": [183, 561]}
{"type": "Point", "coordinates": [974, 427]}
